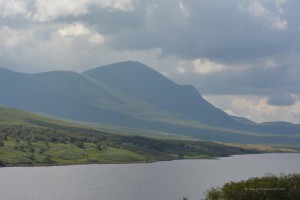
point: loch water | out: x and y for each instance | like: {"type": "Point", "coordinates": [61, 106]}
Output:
{"type": "Point", "coordinates": [169, 180]}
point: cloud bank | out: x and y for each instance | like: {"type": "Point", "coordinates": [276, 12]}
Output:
{"type": "Point", "coordinates": [224, 48]}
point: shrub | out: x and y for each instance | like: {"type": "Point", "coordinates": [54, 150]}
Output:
{"type": "Point", "coordinates": [99, 146]}
{"type": "Point", "coordinates": [80, 144]}
{"type": "Point", "coordinates": [180, 156]}
{"type": "Point", "coordinates": [41, 150]}
{"type": "Point", "coordinates": [284, 187]}
{"type": "Point", "coordinates": [49, 159]}
{"type": "Point", "coordinates": [2, 164]}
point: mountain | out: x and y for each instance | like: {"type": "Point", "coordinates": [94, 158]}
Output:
{"type": "Point", "coordinates": [132, 96]}
{"type": "Point", "coordinates": [143, 83]}
{"type": "Point", "coordinates": [71, 95]}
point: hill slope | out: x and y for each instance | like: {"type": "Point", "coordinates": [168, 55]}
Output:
{"type": "Point", "coordinates": [30, 139]}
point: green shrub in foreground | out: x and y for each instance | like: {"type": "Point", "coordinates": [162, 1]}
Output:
{"type": "Point", "coordinates": [2, 164]}
{"type": "Point", "coordinates": [270, 187]}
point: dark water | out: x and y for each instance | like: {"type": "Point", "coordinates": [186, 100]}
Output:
{"type": "Point", "coordinates": [156, 181]}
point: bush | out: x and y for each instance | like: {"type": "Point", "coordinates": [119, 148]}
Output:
{"type": "Point", "coordinates": [1, 143]}
{"type": "Point", "coordinates": [49, 159]}
{"type": "Point", "coordinates": [2, 164]}
{"type": "Point", "coordinates": [180, 156]}
{"type": "Point", "coordinates": [80, 144]}
{"type": "Point", "coordinates": [284, 187]}
{"type": "Point", "coordinates": [42, 151]}
{"type": "Point", "coordinates": [99, 146]}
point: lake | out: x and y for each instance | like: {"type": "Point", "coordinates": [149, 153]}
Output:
{"type": "Point", "coordinates": [170, 180]}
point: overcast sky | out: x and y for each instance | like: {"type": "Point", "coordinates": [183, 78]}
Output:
{"type": "Point", "coordinates": [242, 55]}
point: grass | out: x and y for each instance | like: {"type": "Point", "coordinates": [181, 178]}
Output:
{"type": "Point", "coordinates": [265, 148]}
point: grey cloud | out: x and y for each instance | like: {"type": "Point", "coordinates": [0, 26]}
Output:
{"type": "Point", "coordinates": [286, 99]}
{"type": "Point", "coordinates": [249, 81]}
{"type": "Point", "coordinates": [221, 31]}
{"type": "Point", "coordinates": [114, 23]}
{"type": "Point", "coordinates": [213, 29]}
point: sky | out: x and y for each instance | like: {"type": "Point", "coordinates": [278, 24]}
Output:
{"type": "Point", "coordinates": [242, 55]}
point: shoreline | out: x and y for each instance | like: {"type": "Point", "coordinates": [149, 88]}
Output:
{"type": "Point", "coordinates": [128, 163]}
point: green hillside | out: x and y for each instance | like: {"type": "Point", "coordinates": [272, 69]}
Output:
{"type": "Point", "coordinates": [30, 139]}
{"type": "Point", "coordinates": [11, 116]}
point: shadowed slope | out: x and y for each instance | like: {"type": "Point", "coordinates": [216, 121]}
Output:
{"type": "Point", "coordinates": [144, 83]}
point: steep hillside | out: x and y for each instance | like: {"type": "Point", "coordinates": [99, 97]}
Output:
{"type": "Point", "coordinates": [142, 82]}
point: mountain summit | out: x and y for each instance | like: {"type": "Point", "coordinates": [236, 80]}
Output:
{"type": "Point", "coordinates": [141, 82]}
{"type": "Point", "coordinates": [132, 95]}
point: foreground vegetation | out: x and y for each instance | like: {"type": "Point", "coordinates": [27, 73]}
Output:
{"type": "Point", "coordinates": [270, 187]}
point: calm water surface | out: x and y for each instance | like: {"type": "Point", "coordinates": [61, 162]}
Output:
{"type": "Point", "coordinates": [169, 180]}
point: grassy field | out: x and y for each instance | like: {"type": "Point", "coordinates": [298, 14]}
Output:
{"type": "Point", "coordinates": [265, 148]}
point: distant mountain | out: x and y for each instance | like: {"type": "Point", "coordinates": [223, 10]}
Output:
{"type": "Point", "coordinates": [141, 82]}
{"type": "Point", "coordinates": [132, 95]}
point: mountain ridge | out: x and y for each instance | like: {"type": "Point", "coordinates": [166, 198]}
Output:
{"type": "Point", "coordinates": [131, 94]}
{"type": "Point", "coordinates": [146, 84]}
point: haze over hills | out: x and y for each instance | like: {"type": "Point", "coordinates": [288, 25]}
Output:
{"type": "Point", "coordinates": [130, 94]}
